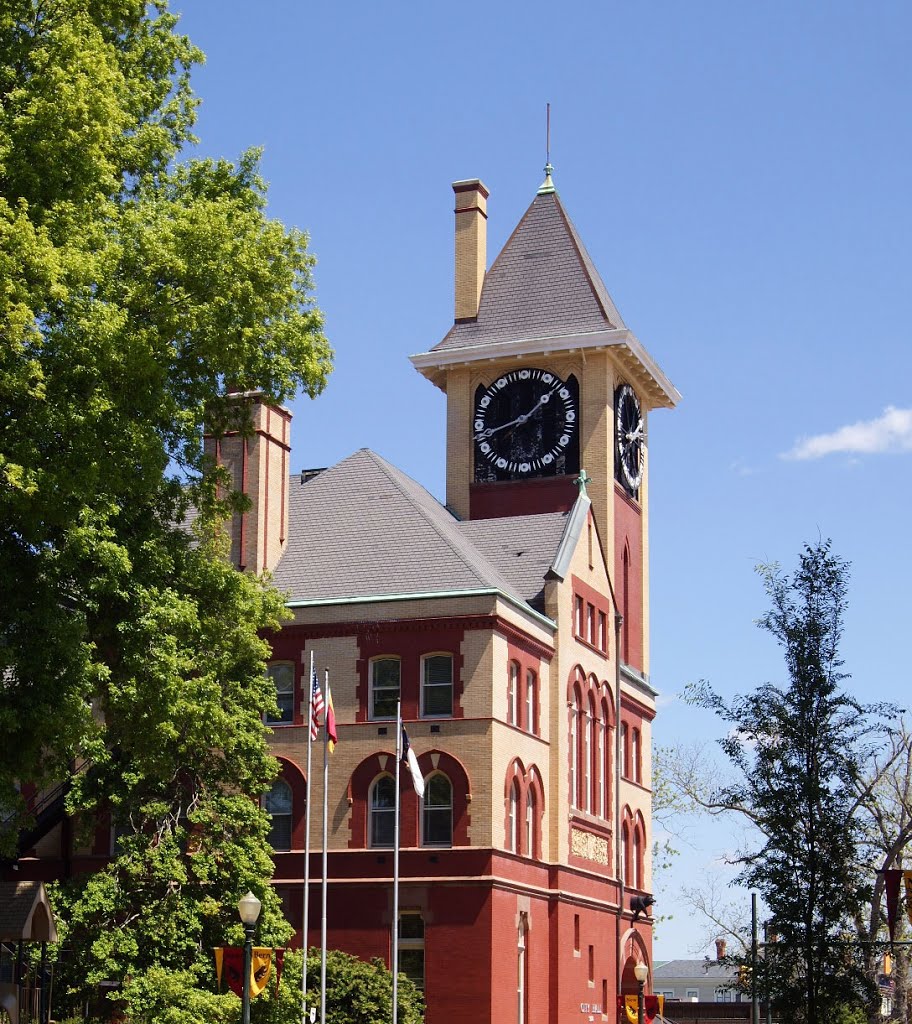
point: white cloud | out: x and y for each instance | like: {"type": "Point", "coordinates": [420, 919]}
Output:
{"type": "Point", "coordinates": [891, 432]}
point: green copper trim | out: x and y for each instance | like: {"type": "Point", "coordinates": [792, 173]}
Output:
{"type": "Point", "coordinates": [547, 186]}
{"type": "Point", "coordinates": [427, 596]}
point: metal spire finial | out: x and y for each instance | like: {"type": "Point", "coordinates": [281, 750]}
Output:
{"type": "Point", "coordinates": [547, 186]}
{"type": "Point", "coordinates": [581, 482]}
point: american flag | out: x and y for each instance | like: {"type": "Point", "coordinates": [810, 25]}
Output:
{"type": "Point", "coordinates": [316, 708]}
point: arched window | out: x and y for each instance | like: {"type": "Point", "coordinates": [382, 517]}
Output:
{"type": "Point", "coordinates": [529, 849]}
{"type": "Point", "coordinates": [282, 675]}
{"type": "Point", "coordinates": [574, 749]}
{"type": "Point", "coordinates": [513, 694]}
{"type": "Point", "coordinates": [437, 816]}
{"type": "Point", "coordinates": [625, 854]}
{"type": "Point", "coordinates": [530, 700]}
{"type": "Point", "coordinates": [599, 807]}
{"type": "Point", "coordinates": [513, 818]}
{"type": "Point", "coordinates": [384, 687]}
{"type": "Point", "coordinates": [437, 686]}
{"type": "Point", "coordinates": [383, 812]}
{"type": "Point", "coordinates": [625, 752]}
{"type": "Point", "coordinates": [636, 757]}
{"type": "Point", "coordinates": [586, 802]}
{"type": "Point", "coordinates": [607, 762]}
{"type": "Point", "coordinates": [625, 597]}
{"type": "Point", "coordinates": [278, 804]}
{"type": "Point", "coordinates": [637, 857]}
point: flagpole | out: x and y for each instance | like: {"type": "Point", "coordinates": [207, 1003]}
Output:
{"type": "Point", "coordinates": [325, 817]}
{"type": "Point", "coordinates": [395, 956]}
{"type": "Point", "coordinates": [304, 930]}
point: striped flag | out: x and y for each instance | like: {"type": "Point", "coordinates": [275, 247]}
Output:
{"type": "Point", "coordinates": [316, 707]}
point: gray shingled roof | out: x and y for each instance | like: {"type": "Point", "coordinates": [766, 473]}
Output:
{"type": "Point", "coordinates": [542, 284]}
{"type": "Point", "coordinates": [18, 911]}
{"type": "Point", "coordinates": [522, 548]}
{"type": "Point", "coordinates": [697, 969]}
{"type": "Point", "coordinates": [362, 528]}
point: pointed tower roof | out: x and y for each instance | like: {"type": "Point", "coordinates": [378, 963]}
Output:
{"type": "Point", "coordinates": [543, 294]}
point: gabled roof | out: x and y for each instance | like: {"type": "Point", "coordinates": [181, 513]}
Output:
{"type": "Point", "coordinates": [25, 913]}
{"type": "Point", "coordinates": [364, 530]}
{"type": "Point", "coordinates": [698, 970]}
{"type": "Point", "coordinates": [543, 283]}
{"type": "Point", "coordinates": [543, 294]}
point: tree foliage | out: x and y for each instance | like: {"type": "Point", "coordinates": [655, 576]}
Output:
{"type": "Point", "coordinates": [800, 754]}
{"type": "Point", "coordinates": [137, 287]}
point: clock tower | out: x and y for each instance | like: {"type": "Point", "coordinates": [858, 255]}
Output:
{"type": "Point", "coordinates": [545, 382]}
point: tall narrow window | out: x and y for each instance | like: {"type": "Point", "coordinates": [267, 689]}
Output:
{"type": "Point", "coordinates": [625, 752]}
{"type": "Point", "coordinates": [590, 623]}
{"type": "Point", "coordinates": [384, 687]}
{"type": "Point", "coordinates": [574, 750]}
{"type": "Point", "coordinates": [592, 965]}
{"type": "Point", "coordinates": [437, 686]}
{"type": "Point", "coordinates": [437, 816]}
{"type": "Point", "coordinates": [625, 592]}
{"type": "Point", "coordinates": [603, 632]}
{"type": "Point", "coordinates": [577, 615]}
{"type": "Point", "coordinates": [530, 700]}
{"type": "Point", "coordinates": [625, 852]}
{"type": "Point", "coordinates": [512, 814]}
{"type": "Point", "coordinates": [383, 812]}
{"type": "Point", "coordinates": [278, 804]}
{"type": "Point", "coordinates": [530, 823]}
{"type": "Point", "coordinates": [600, 765]}
{"type": "Point", "coordinates": [411, 946]}
{"type": "Point", "coordinates": [587, 761]}
{"type": "Point", "coordinates": [282, 675]}
{"type": "Point", "coordinates": [637, 858]}
{"type": "Point", "coordinates": [513, 694]}
{"type": "Point", "coordinates": [636, 757]}
{"type": "Point", "coordinates": [522, 966]}
{"type": "Point", "coordinates": [576, 933]}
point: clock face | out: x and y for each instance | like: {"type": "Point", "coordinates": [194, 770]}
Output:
{"type": "Point", "coordinates": [525, 424]}
{"type": "Point", "coordinates": [630, 438]}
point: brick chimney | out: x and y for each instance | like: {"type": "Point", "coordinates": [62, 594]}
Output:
{"type": "Point", "coordinates": [257, 463]}
{"type": "Point", "coordinates": [720, 949]}
{"type": "Point", "coordinates": [471, 245]}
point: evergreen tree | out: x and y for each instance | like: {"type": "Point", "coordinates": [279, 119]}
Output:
{"type": "Point", "coordinates": [136, 287]}
{"type": "Point", "coordinates": [800, 752]}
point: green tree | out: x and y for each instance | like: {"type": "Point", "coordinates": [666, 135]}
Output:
{"type": "Point", "coordinates": [137, 287]}
{"type": "Point", "coordinates": [357, 992]}
{"type": "Point", "coordinates": [800, 754]}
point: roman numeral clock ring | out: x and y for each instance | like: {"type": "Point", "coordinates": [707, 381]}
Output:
{"type": "Point", "coordinates": [526, 424]}
{"type": "Point", "coordinates": [630, 438]}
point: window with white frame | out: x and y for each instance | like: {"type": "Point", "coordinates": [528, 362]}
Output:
{"type": "Point", "coordinates": [513, 695]}
{"type": "Point", "coordinates": [723, 995]}
{"type": "Point", "coordinates": [437, 685]}
{"type": "Point", "coordinates": [384, 687]}
{"type": "Point", "coordinates": [278, 805]}
{"type": "Point", "coordinates": [692, 993]}
{"type": "Point", "coordinates": [530, 823]}
{"type": "Point", "coordinates": [437, 814]}
{"type": "Point", "coordinates": [383, 812]}
{"type": "Point", "coordinates": [522, 967]}
{"type": "Point", "coordinates": [282, 675]}
{"type": "Point", "coordinates": [411, 946]}
{"type": "Point", "coordinates": [530, 700]}
{"type": "Point", "coordinates": [512, 816]}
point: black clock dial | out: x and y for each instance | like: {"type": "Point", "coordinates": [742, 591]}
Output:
{"type": "Point", "coordinates": [525, 425]}
{"type": "Point", "coordinates": [630, 438]}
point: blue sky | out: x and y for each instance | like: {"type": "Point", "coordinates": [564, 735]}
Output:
{"type": "Point", "coordinates": [740, 174]}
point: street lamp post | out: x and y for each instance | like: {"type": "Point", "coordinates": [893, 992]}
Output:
{"type": "Point", "coordinates": [641, 973]}
{"type": "Point", "coordinates": [249, 909]}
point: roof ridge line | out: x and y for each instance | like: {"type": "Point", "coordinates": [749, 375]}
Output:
{"type": "Point", "coordinates": [427, 518]}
